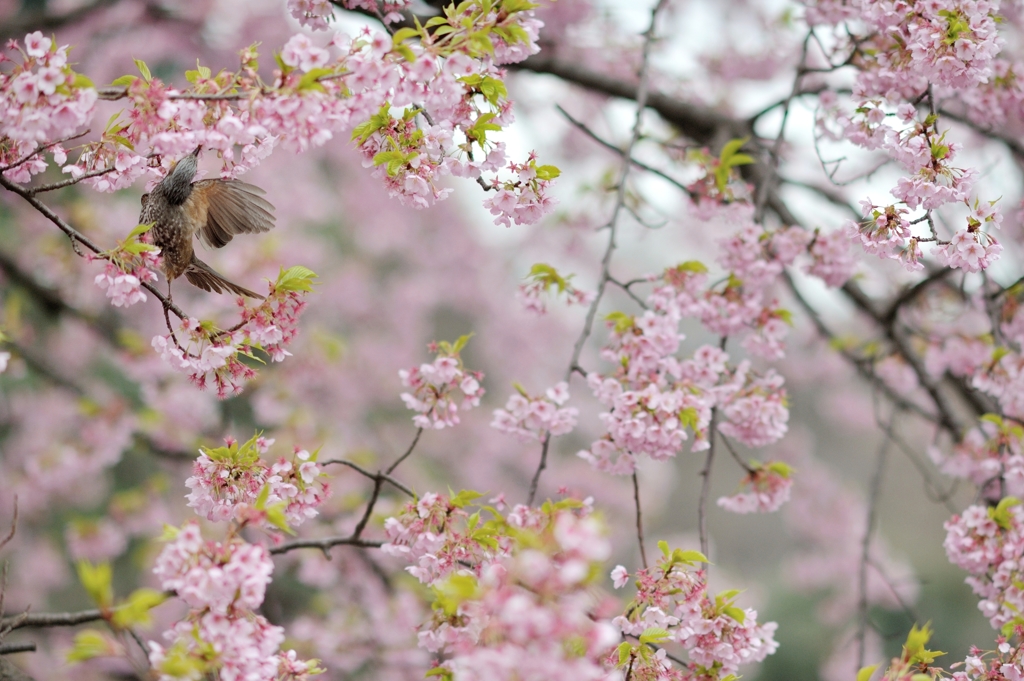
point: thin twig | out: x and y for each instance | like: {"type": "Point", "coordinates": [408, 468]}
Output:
{"type": "Point", "coordinates": [862, 573]}
{"type": "Point", "coordinates": [372, 476]}
{"type": "Point", "coordinates": [639, 520]}
{"type": "Point", "coordinates": [391, 469]}
{"type": "Point", "coordinates": [540, 468]}
{"type": "Point", "coordinates": [705, 485]}
{"type": "Point", "coordinates": [582, 127]}
{"type": "Point", "coordinates": [14, 525]}
{"type": "Point", "coordinates": [743, 464]}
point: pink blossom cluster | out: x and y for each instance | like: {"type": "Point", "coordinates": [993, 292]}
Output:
{"type": "Point", "coordinates": [450, 93]}
{"type": "Point", "coordinates": [756, 411]}
{"type": "Point", "coordinates": [515, 599]}
{"type": "Point", "coordinates": [653, 397]}
{"type": "Point", "coordinates": [743, 303]}
{"type": "Point", "coordinates": [41, 100]}
{"type": "Point", "coordinates": [125, 288]}
{"type": "Point", "coordinates": [227, 483]}
{"type": "Point", "coordinates": [432, 388]}
{"type": "Point", "coordinates": [1002, 377]}
{"type": "Point", "coordinates": [767, 487]}
{"type": "Point", "coordinates": [988, 542]}
{"type": "Point", "coordinates": [205, 359]}
{"type": "Point", "coordinates": [991, 456]}
{"type": "Point", "coordinates": [970, 250]}
{"type": "Point", "coordinates": [432, 535]}
{"type": "Point", "coordinates": [223, 584]}
{"type": "Point", "coordinates": [210, 356]}
{"type": "Point", "coordinates": [717, 635]}
{"type": "Point", "coordinates": [523, 199]}
{"type": "Point", "coordinates": [129, 266]}
{"type": "Point", "coordinates": [541, 280]}
{"type": "Point", "coordinates": [903, 47]}
{"type": "Point", "coordinates": [533, 418]}
{"type": "Point", "coordinates": [1005, 663]}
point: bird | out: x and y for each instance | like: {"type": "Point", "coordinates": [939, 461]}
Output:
{"type": "Point", "coordinates": [213, 210]}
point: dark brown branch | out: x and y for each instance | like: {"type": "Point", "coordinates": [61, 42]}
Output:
{"type": "Point", "coordinates": [361, 525]}
{"type": "Point", "coordinates": [11, 648]}
{"type": "Point", "coordinates": [50, 619]}
{"type": "Point", "coordinates": [324, 544]}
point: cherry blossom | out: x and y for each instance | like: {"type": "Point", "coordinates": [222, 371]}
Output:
{"type": "Point", "coordinates": [433, 387]}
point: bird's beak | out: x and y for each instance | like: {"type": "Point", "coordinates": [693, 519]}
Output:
{"type": "Point", "coordinates": [196, 152]}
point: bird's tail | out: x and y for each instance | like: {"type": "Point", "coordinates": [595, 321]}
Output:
{"type": "Point", "coordinates": [203, 276]}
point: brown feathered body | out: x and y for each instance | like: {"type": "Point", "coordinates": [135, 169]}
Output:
{"type": "Point", "coordinates": [213, 210]}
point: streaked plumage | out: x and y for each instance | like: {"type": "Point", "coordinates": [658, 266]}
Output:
{"type": "Point", "coordinates": [213, 210]}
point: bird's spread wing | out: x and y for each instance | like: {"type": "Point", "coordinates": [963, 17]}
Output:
{"type": "Point", "coordinates": [223, 208]}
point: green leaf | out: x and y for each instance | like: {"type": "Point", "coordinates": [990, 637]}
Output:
{"type": "Point", "coordinates": [464, 498]}
{"type": "Point", "coordinates": [295, 278]}
{"type": "Point", "coordinates": [136, 610]}
{"type": "Point", "coordinates": [277, 518]}
{"type": "Point", "coordinates": [865, 673]}
{"type": "Point", "coordinates": [91, 644]}
{"type": "Point", "coordinates": [459, 344]}
{"type": "Point", "coordinates": [689, 557]}
{"type": "Point", "coordinates": [123, 81]}
{"type": "Point", "coordinates": [96, 579]}
{"type": "Point", "coordinates": [82, 81]}
{"type": "Point", "coordinates": [780, 468]}
{"type": "Point", "coordinates": [653, 635]}
{"type": "Point", "coordinates": [454, 591]}
{"type": "Point", "coordinates": [620, 321]}
{"type": "Point", "coordinates": [663, 545]}
{"type": "Point", "coordinates": [1001, 513]}
{"type": "Point", "coordinates": [740, 160]}
{"type": "Point", "coordinates": [993, 418]}
{"type": "Point", "coordinates": [311, 80]}
{"type": "Point", "coordinates": [445, 674]}
{"type": "Point", "coordinates": [689, 418]}
{"type": "Point", "coordinates": [139, 231]}
{"type": "Point", "coordinates": [735, 613]}
{"type": "Point", "coordinates": [144, 70]}
{"type": "Point", "coordinates": [547, 172]}
{"type": "Point", "coordinates": [694, 266]}
{"type": "Point", "coordinates": [914, 649]}
{"type": "Point", "coordinates": [261, 498]}
{"type": "Point", "coordinates": [403, 34]}
{"type": "Point", "coordinates": [625, 651]}
{"type": "Point", "coordinates": [730, 149]}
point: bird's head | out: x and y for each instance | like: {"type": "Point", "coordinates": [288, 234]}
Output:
{"type": "Point", "coordinates": [178, 183]}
